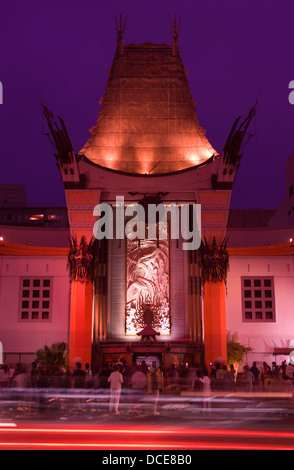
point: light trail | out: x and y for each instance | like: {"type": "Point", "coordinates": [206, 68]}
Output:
{"type": "Point", "coordinates": [160, 431]}
{"type": "Point", "coordinates": [118, 438]}
{"type": "Point", "coordinates": [146, 446]}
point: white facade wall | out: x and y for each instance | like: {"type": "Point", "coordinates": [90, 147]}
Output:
{"type": "Point", "coordinates": [26, 336]}
{"type": "Point", "coordinates": [262, 337]}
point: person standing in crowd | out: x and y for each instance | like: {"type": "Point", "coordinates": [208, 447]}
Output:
{"type": "Point", "coordinates": [88, 376]}
{"type": "Point", "coordinates": [138, 386]}
{"type": "Point", "coordinates": [79, 376]}
{"type": "Point", "coordinates": [138, 380]}
{"type": "Point", "coordinates": [220, 376]}
{"type": "Point", "coordinates": [4, 375]}
{"type": "Point", "coordinates": [205, 381]}
{"type": "Point", "coordinates": [116, 381]}
{"type": "Point", "coordinates": [266, 375]}
{"type": "Point", "coordinates": [256, 374]}
{"type": "Point", "coordinates": [206, 388]}
{"type": "Point", "coordinates": [20, 378]}
{"type": "Point", "coordinates": [248, 379]}
{"type": "Point", "coordinates": [275, 370]}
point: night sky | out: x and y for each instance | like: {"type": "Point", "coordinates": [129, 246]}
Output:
{"type": "Point", "coordinates": [234, 51]}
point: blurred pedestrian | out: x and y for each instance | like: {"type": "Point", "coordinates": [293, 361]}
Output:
{"type": "Point", "coordinates": [104, 375]}
{"type": "Point", "coordinates": [256, 375]}
{"type": "Point", "coordinates": [275, 370]}
{"type": "Point", "coordinates": [138, 380]}
{"type": "Point", "coordinates": [248, 379]}
{"type": "Point", "coordinates": [206, 388]}
{"type": "Point", "coordinates": [116, 381]}
{"type": "Point", "coordinates": [205, 381]}
{"type": "Point", "coordinates": [175, 376]}
{"type": "Point", "coordinates": [21, 381]}
{"type": "Point", "coordinates": [4, 375]}
{"type": "Point", "coordinates": [156, 380]}
{"type": "Point", "coordinates": [88, 376]}
{"type": "Point", "coordinates": [229, 378]}
{"type": "Point", "coordinates": [290, 372]}
{"type": "Point", "coordinates": [138, 385]}
{"type": "Point", "coordinates": [220, 375]}
{"type": "Point", "coordinates": [34, 374]}
{"type": "Point", "coordinates": [20, 377]}
{"type": "Point", "coordinates": [266, 375]}
{"type": "Point", "coordinates": [79, 376]}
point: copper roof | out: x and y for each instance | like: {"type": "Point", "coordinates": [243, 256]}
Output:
{"type": "Point", "coordinates": [147, 121]}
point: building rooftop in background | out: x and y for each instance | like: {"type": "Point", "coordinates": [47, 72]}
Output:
{"type": "Point", "coordinates": [34, 216]}
{"type": "Point", "coordinates": [249, 218]}
{"type": "Point", "coordinates": [13, 195]}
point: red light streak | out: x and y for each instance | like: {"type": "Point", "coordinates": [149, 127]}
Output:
{"type": "Point", "coordinates": [147, 446]}
{"type": "Point", "coordinates": [142, 438]}
{"type": "Point", "coordinates": [135, 430]}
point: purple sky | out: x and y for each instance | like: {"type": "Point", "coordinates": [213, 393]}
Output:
{"type": "Point", "coordinates": [233, 51]}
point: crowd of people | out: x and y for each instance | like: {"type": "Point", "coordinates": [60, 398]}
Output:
{"type": "Point", "coordinates": [112, 377]}
{"type": "Point", "coordinates": [266, 377]}
{"type": "Point", "coordinates": [218, 377]}
{"type": "Point", "coordinates": [258, 377]}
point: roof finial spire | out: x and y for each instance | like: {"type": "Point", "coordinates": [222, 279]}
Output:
{"type": "Point", "coordinates": [175, 27]}
{"type": "Point", "coordinates": [120, 27]}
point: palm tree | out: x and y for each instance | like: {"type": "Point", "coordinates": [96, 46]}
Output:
{"type": "Point", "coordinates": [56, 355]}
{"type": "Point", "coordinates": [235, 350]}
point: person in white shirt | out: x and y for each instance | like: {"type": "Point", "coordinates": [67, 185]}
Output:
{"type": "Point", "coordinates": [116, 381]}
{"type": "Point", "coordinates": [204, 379]}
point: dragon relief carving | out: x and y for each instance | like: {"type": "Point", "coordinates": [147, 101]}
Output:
{"type": "Point", "coordinates": [214, 261]}
{"type": "Point", "coordinates": [81, 259]}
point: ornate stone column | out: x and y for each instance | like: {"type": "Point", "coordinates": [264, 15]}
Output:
{"type": "Point", "coordinates": [81, 263]}
{"type": "Point", "coordinates": [213, 265]}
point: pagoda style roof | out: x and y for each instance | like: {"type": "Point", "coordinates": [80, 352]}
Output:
{"type": "Point", "coordinates": [147, 123]}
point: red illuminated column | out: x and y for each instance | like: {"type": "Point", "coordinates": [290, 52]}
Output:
{"type": "Point", "coordinates": [214, 264]}
{"type": "Point", "coordinates": [82, 263]}
{"type": "Point", "coordinates": [215, 335]}
{"type": "Point", "coordinates": [80, 333]}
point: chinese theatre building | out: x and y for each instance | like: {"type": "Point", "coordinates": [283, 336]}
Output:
{"type": "Point", "coordinates": [146, 298]}
{"type": "Point", "coordinates": [134, 298]}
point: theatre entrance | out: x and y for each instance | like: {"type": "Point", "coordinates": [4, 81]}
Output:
{"type": "Point", "coordinates": [149, 361]}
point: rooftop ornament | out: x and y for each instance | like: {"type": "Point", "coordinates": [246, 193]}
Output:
{"type": "Point", "coordinates": [120, 27]}
{"type": "Point", "coordinates": [175, 27]}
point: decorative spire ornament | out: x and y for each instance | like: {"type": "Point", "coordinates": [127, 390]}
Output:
{"type": "Point", "coordinates": [120, 27]}
{"type": "Point", "coordinates": [175, 27]}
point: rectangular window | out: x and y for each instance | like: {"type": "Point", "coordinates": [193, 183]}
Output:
{"type": "Point", "coordinates": [35, 299]}
{"type": "Point", "coordinates": [258, 302]}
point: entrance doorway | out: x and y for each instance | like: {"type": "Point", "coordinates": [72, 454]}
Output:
{"type": "Point", "coordinates": [151, 361]}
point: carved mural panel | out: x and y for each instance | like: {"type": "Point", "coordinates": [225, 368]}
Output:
{"type": "Point", "coordinates": [148, 286]}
